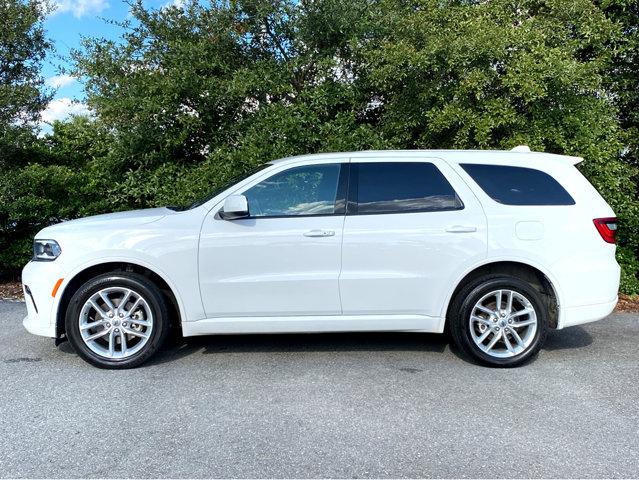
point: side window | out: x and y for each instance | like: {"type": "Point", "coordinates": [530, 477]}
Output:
{"type": "Point", "coordinates": [306, 190]}
{"type": "Point", "coordinates": [399, 187]}
{"type": "Point", "coordinates": [518, 185]}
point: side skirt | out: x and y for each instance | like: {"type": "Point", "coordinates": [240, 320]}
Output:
{"type": "Point", "coordinates": [314, 324]}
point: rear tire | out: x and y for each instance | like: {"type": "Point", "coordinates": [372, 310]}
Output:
{"type": "Point", "coordinates": [117, 320]}
{"type": "Point", "coordinates": [499, 320]}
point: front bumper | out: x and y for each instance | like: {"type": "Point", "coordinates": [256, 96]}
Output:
{"type": "Point", "coordinates": [38, 280]}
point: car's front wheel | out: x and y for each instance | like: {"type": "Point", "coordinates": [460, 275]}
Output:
{"type": "Point", "coordinates": [117, 320]}
{"type": "Point", "coordinates": [499, 320]}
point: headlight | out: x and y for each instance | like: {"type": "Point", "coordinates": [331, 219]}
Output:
{"type": "Point", "coordinates": [46, 250]}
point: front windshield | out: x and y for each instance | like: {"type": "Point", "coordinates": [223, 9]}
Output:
{"type": "Point", "coordinates": [236, 179]}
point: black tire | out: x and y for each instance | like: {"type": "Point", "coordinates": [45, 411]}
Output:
{"type": "Point", "coordinates": [462, 307]}
{"type": "Point", "coordinates": [142, 286]}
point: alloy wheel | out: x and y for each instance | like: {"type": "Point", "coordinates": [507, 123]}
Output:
{"type": "Point", "coordinates": [116, 322]}
{"type": "Point", "coordinates": [503, 323]}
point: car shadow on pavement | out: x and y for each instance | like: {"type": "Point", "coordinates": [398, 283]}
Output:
{"type": "Point", "coordinates": [178, 347]}
{"type": "Point", "coordinates": [567, 339]}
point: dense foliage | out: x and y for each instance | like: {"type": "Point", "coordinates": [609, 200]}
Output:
{"type": "Point", "coordinates": [190, 96]}
{"type": "Point", "coordinates": [23, 47]}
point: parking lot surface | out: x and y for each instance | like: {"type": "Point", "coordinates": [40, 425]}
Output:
{"type": "Point", "coordinates": [330, 405]}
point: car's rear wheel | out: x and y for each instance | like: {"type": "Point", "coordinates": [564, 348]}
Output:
{"type": "Point", "coordinates": [117, 320]}
{"type": "Point", "coordinates": [499, 320]}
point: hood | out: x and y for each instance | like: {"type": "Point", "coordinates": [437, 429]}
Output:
{"type": "Point", "coordinates": [118, 219]}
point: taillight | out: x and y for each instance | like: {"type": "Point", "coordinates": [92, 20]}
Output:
{"type": "Point", "coordinates": [607, 228]}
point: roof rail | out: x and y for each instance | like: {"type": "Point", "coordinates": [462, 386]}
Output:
{"type": "Point", "coordinates": [521, 148]}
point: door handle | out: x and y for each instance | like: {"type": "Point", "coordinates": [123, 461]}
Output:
{"type": "Point", "coordinates": [461, 229]}
{"type": "Point", "coordinates": [319, 233]}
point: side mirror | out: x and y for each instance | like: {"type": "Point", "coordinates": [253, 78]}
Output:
{"type": "Point", "coordinates": [235, 206]}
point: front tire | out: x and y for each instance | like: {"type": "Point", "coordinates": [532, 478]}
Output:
{"type": "Point", "coordinates": [117, 320]}
{"type": "Point", "coordinates": [499, 320]}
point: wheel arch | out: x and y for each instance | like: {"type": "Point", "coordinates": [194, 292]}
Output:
{"type": "Point", "coordinates": [79, 278]}
{"type": "Point", "coordinates": [520, 269]}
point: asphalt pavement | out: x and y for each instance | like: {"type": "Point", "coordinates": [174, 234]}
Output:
{"type": "Point", "coordinates": [328, 405]}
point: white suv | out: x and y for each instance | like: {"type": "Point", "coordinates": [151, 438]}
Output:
{"type": "Point", "coordinates": [498, 246]}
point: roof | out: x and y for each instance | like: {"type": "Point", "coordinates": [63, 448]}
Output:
{"type": "Point", "coordinates": [520, 154]}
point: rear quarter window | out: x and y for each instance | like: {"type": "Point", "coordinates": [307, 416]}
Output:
{"type": "Point", "coordinates": [518, 185]}
{"type": "Point", "coordinates": [402, 187]}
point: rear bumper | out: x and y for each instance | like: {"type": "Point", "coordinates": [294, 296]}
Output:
{"type": "Point", "coordinates": [587, 313]}
{"type": "Point", "coordinates": [590, 287]}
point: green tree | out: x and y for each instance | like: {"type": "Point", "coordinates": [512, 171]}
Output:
{"type": "Point", "coordinates": [623, 75]}
{"type": "Point", "coordinates": [23, 46]}
{"type": "Point", "coordinates": [190, 96]}
{"type": "Point", "coordinates": [60, 182]}
{"type": "Point", "coordinates": [197, 93]}
{"type": "Point", "coordinates": [496, 74]}
{"type": "Point", "coordinates": [622, 81]}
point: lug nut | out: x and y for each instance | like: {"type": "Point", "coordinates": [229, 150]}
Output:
{"type": "Point", "coordinates": [124, 324]}
{"type": "Point", "coordinates": [496, 329]}
{"type": "Point", "coordinates": [117, 330]}
{"type": "Point", "coordinates": [510, 320]}
{"type": "Point", "coordinates": [121, 315]}
{"type": "Point", "coordinates": [110, 314]}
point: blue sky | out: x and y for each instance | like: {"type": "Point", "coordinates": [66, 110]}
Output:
{"type": "Point", "coordinates": [71, 20]}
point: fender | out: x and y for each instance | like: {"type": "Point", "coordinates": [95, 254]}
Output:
{"type": "Point", "coordinates": [523, 259]}
{"type": "Point", "coordinates": [117, 259]}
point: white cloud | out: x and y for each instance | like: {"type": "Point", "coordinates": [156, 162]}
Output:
{"type": "Point", "coordinates": [62, 108]}
{"type": "Point", "coordinates": [58, 81]}
{"type": "Point", "coordinates": [80, 8]}
{"type": "Point", "coordinates": [174, 3]}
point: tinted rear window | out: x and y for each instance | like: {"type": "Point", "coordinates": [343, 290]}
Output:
{"type": "Point", "coordinates": [518, 185]}
{"type": "Point", "coordinates": [396, 187]}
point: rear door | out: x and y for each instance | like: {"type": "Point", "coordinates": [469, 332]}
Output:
{"type": "Point", "coordinates": [411, 228]}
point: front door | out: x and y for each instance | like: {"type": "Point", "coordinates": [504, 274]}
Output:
{"type": "Point", "coordinates": [285, 258]}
